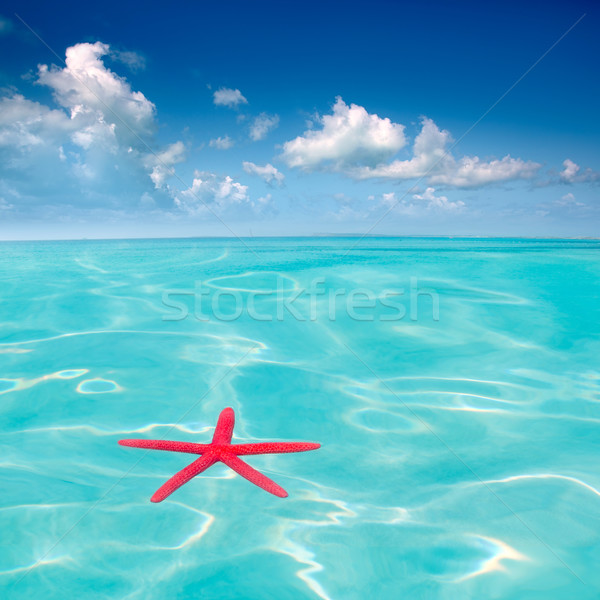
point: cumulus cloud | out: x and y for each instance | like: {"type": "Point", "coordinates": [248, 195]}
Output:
{"type": "Point", "coordinates": [438, 202]}
{"type": "Point", "coordinates": [209, 189]}
{"type": "Point", "coordinates": [572, 173]}
{"type": "Point", "coordinates": [221, 143]}
{"type": "Point", "coordinates": [359, 145]}
{"type": "Point", "coordinates": [162, 163]}
{"type": "Point", "coordinates": [348, 137]}
{"type": "Point", "coordinates": [570, 170]}
{"type": "Point", "coordinates": [427, 203]}
{"type": "Point", "coordinates": [432, 160]}
{"type": "Point", "coordinates": [424, 205]}
{"type": "Point", "coordinates": [228, 97]}
{"type": "Point", "coordinates": [46, 156]}
{"type": "Point", "coordinates": [91, 150]}
{"type": "Point", "coordinates": [85, 86]}
{"type": "Point", "coordinates": [25, 123]}
{"type": "Point", "coordinates": [268, 172]}
{"type": "Point", "coordinates": [262, 125]}
{"type": "Point", "coordinates": [80, 154]}
{"type": "Point", "coordinates": [470, 171]}
{"type": "Point", "coordinates": [429, 149]}
{"type": "Point", "coordinates": [217, 194]}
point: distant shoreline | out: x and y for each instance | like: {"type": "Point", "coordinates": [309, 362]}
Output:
{"type": "Point", "coordinates": [306, 237]}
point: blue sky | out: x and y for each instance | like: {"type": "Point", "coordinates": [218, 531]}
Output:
{"type": "Point", "coordinates": [273, 118]}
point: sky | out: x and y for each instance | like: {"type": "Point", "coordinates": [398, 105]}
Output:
{"type": "Point", "coordinates": [277, 119]}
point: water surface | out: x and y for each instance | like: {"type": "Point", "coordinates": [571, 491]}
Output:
{"type": "Point", "coordinates": [460, 447]}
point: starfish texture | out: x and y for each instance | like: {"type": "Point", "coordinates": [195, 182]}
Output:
{"type": "Point", "coordinates": [220, 449]}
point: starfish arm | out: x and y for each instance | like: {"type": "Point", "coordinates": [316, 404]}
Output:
{"type": "Point", "coordinates": [224, 428]}
{"type": "Point", "coordinates": [183, 476]}
{"type": "Point", "coordinates": [252, 475]}
{"type": "Point", "coordinates": [273, 448]}
{"type": "Point", "coordinates": [167, 445]}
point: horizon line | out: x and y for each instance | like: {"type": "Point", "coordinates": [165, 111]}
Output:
{"type": "Point", "coordinates": [310, 236]}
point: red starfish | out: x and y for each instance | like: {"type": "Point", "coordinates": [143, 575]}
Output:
{"type": "Point", "coordinates": [220, 449]}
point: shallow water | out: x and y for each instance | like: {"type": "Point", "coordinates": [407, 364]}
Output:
{"type": "Point", "coordinates": [459, 423]}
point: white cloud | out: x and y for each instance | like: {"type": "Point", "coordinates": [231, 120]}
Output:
{"type": "Point", "coordinates": [136, 62]}
{"type": "Point", "coordinates": [99, 134]}
{"type": "Point", "coordinates": [87, 88]}
{"type": "Point", "coordinates": [568, 200]}
{"type": "Point", "coordinates": [470, 171]}
{"type": "Point", "coordinates": [429, 149]}
{"type": "Point", "coordinates": [220, 193]}
{"type": "Point", "coordinates": [268, 172]}
{"type": "Point", "coordinates": [24, 123]}
{"type": "Point", "coordinates": [212, 193]}
{"type": "Point", "coordinates": [350, 136]}
{"type": "Point", "coordinates": [389, 203]}
{"type": "Point", "coordinates": [425, 205]}
{"type": "Point", "coordinates": [568, 203]}
{"type": "Point", "coordinates": [80, 156]}
{"type": "Point", "coordinates": [229, 97]}
{"type": "Point", "coordinates": [162, 163]}
{"type": "Point", "coordinates": [264, 205]}
{"type": "Point", "coordinates": [221, 143]}
{"type": "Point", "coordinates": [570, 170]}
{"type": "Point", "coordinates": [432, 160]}
{"type": "Point", "coordinates": [262, 125]}
{"type": "Point", "coordinates": [572, 173]}
{"type": "Point", "coordinates": [90, 123]}
{"type": "Point", "coordinates": [569, 197]}
{"type": "Point", "coordinates": [438, 202]}
{"type": "Point", "coordinates": [81, 151]}
{"type": "Point", "coordinates": [358, 144]}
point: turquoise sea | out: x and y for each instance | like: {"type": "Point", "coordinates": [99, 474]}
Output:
{"type": "Point", "coordinates": [454, 385]}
